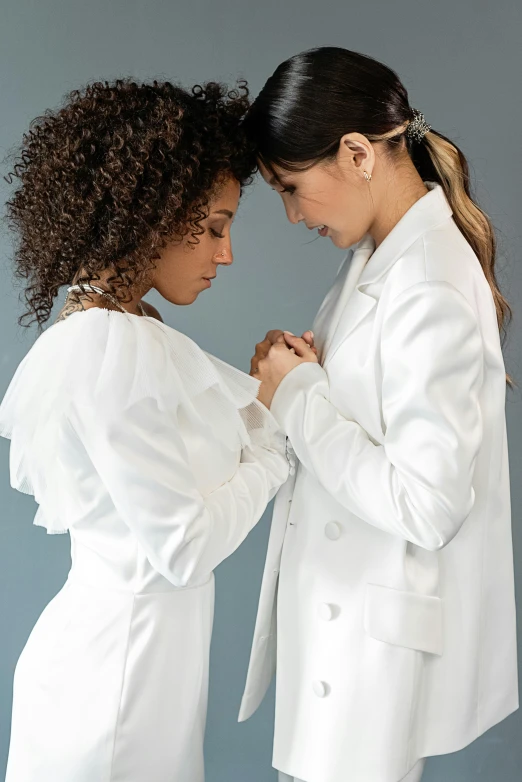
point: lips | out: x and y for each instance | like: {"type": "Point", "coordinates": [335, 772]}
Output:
{"type": "Point", "coordinates": [322, 229]}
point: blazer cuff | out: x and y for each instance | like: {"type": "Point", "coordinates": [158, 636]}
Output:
{"type": "Point", "coordinates": [301, 379]}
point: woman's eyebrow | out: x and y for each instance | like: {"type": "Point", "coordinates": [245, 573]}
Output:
{"type": "Point", "coordinates": [226, 212]}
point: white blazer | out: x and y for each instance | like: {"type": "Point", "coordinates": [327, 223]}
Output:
{"type": "Point", "coordinates": [389, 571]}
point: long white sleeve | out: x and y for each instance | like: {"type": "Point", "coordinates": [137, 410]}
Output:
{"type": "Point", "coordinates": [418, 483]}
{"type": "Point", "coordinates": [142, 460]}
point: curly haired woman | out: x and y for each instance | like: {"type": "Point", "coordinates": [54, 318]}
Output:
{"type": "Point", "coordinates": [156, 457]}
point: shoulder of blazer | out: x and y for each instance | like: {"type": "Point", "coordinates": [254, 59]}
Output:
{"type": "Point", "coordinates": [440, 255]}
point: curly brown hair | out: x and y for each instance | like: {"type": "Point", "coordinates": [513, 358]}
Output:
{"type": "Point", "coordinates": [108, 179]}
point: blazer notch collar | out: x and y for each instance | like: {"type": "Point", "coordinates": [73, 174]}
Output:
{"type": "Point", "coordinates": [429, 212]}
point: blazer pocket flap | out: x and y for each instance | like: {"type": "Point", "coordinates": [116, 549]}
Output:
{"type": "Point", "coordinates": [403, 618]}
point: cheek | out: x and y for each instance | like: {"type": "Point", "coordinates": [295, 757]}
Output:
{"type": "Point", "coordinates": [353, 210]}
{"type": "Point", "coordinates": [171, 258]}
{"type": "Point", "coordinates": [351, 231]}
{"type": "Point", "coordinates": [325, 206]}
{"type": "Point", "coordinates": [199, 256]}
{"type": "Point", "coordinates": [178, 272]}
{"type": "Point", "coordinates": [188, 261]}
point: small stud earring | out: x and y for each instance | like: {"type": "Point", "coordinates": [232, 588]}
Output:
{"type": "Point", "coordinates": [367, 176]}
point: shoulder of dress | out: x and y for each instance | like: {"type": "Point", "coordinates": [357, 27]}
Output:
{"type": "Point", "coordinates": [104, 358]}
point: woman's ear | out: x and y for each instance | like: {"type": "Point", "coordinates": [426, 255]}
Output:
{"type": "Point", "coordinates": [356, 154]}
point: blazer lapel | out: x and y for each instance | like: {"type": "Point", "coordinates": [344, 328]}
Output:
{"type": "Point", "coordinates": [368, 265]}
{"type": "Point", "coordinates": [352, 305]}
{"type": "Point", "coordinates": [322, 324]}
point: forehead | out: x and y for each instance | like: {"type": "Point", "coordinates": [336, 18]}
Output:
{"type": "Point", "coordinates": [276, 176]}
{"type": "Point", "coordinates": [227, 196]}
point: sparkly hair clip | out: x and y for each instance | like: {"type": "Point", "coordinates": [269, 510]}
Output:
{"type": "Point", "coordinates": [418, 127]}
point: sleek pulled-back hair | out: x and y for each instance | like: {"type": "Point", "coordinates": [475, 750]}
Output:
{"type": "Point", "coordinates": [316, 97]}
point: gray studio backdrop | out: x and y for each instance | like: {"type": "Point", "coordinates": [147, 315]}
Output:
{"type": "Point", "coordinates": [461, 63]}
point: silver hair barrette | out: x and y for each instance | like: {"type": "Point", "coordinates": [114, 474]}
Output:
{"type": "Point", "coordinates": [418, 126]}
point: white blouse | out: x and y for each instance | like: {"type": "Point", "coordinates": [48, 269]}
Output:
{"type": "Point", "coordinates": [120, 420]}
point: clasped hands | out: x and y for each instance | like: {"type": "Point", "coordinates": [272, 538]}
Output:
{"type": "Point", "coordinates": [276, 356]}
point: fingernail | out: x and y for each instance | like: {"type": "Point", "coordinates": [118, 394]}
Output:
{"type": "Point", "coordinates": [289, 332]}
{"type": "Point", "coordinates": [312, 333]}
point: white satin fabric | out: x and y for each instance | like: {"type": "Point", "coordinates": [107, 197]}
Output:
{"type": "Point", "coordinates": [415, 775]}
{"type": "Point", "coordinates": [158, 460]}
{"type": "Point", "coordinates": [388, 600]}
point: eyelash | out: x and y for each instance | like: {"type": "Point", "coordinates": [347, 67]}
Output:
{"type": "Point", "coordinates": [215, 233]}
{"type": "Point", "coordinates": [289, 190]}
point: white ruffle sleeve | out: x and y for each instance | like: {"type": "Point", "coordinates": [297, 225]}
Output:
{"type": "Point", "coordinates": [120, 382]}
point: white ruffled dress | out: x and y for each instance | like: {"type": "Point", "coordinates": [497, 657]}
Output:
{"type": "Point", "coordinates": [158, 460]}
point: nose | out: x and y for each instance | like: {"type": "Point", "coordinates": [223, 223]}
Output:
{"type": "Point", "coordinates": [292, 214]}
{"type": "Point", "coordinates": [224, 256]}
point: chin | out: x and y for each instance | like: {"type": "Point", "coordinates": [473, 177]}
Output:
{"type": "Point", "coordinates": [340, 241]}
{"type": "Point", "coordinates": [181, 302]}
{"type": "Point", "coordinates": [345, 242]}
{"type": "Point", "coordinates": [186, 302]}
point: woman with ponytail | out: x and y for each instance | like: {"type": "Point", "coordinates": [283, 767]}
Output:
{"type": "Point", "coordinates": [389, 571]}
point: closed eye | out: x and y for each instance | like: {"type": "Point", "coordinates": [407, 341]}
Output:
{"type": "Point", "coordinates": [216, 234]}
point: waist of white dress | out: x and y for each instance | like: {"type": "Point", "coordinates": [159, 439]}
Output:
{"type": "Point", "coordinates": [121, 566]}
{"type": "Point", "coordinates": [159, 587]}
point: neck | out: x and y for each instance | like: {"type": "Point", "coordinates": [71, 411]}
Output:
{"type": "Point", "coordinates": [128, 298]}
{"type": "Point", "coordinates": [402, 187]}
